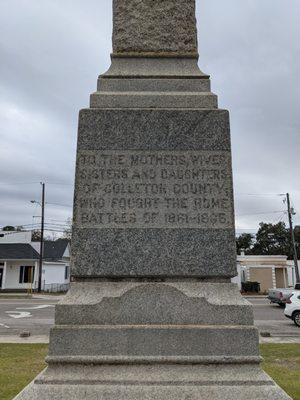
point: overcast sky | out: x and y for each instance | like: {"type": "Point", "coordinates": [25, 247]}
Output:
{"type": "Point", "coordinates": [52, 51]}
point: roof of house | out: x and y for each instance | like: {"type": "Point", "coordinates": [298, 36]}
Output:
{"type": "Point", "coordinates": [54, 250]}
{"type": "Point", "coordinates": [17, 251]}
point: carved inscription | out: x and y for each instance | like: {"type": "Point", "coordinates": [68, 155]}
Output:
{"type": "Point", "coordinates": [153, 189]}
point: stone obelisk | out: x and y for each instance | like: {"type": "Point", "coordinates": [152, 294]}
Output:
{"type": "Point", "coordinates": [151, 313]}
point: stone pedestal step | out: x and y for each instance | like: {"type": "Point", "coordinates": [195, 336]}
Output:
{"type": "Point", "coordinates": [162, 382]}
{"type": "Point", "coordinates": [189, 100]}
{"type": "Point", "coordinates": [154, 341]}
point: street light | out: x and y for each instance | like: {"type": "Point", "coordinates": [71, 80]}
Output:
{"type": "Point", "coordinates": [42, 205]}
{"type": "Point", "coordinates": [35, 202]}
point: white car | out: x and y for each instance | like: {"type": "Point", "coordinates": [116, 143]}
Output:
{"type": "Point", "coordinates": [292, 308]}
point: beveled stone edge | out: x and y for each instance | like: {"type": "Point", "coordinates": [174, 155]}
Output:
{"type": "Point", "coordinates": [185, 286]}
{"type": "Point", "coordinates": [152, 327]}
{"type": "Point", "coordinates": [151, 277]}
{"type": "Point", "coordinates": [152, 383]}
{"type": "Point", "coordinates": [153, 360]}
{"type": "Point", "coordinates": [140, 65]}
{"type": "Point", "coordinates": [155, 54]}
{"type": "Point", "coordinates": [107, 76]}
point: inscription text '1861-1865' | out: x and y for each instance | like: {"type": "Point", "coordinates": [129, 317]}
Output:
{"type": "Point", "coordinates": [153, 189]}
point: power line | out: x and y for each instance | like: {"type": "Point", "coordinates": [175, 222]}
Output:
{"type": "Point", "coordinates": [246, 229]}
{"type": "Point", "coordinates": [260, 194]}
{"type": "Point", "coordinates": [261, 213]}
{"type": "Point", "coordinates": [57, 220]}
{"type": "Point", "coordinates": [35, 182]}
{"type": "Point", "coordinates": [37, 227]}
{"type": "Point", "coordinates": [60, 183]}
{"type": "Point", "coordinates": [60, 205]}
{"type": "Point", "coordinates": [49, 230]}
{"type": "Point", "coordinates": [50, 221]}
{"type": "Point", "coordinates": [19, 183]}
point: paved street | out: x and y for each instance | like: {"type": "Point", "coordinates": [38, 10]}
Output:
{"type": "Point", "coordinates": [37, 317]}
{"type": "Point", "coordinates": [33, 315]}
{"type": "Point", "coordinates": [270, 318]}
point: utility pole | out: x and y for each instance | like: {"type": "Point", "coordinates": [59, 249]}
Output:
{"type": "Point", "coordinates": [41, 239]}
{"type": "Point", "coordinates": [293, 243]}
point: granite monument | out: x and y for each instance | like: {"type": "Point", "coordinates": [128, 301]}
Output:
{"type": "Point", "coordinates": [152, 313]}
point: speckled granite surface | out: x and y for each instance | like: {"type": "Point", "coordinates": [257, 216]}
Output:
{"type": "Point", "coordinates": [142, 26]}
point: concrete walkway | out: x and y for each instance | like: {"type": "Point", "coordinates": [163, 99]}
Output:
{"type": "Point", "coordinates": [29, 340]}
{"type": "Point", "coordinates": [34, 296]}
{"type": "Point", "coordinates": [280, 339]}
{"type": "Point", "coordinates": [45, 339]}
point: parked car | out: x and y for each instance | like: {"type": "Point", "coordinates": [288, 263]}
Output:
{"type": "Point", "coordinates": [292, 309]}
{"type": "Point", "coordinates": [280, 296]}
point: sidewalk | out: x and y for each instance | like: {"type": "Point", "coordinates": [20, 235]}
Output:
{"type": "Point", "coordinates": [45, 339]}
{"type": "Point", "coordinates": [15, 296]}
{"type": "Point", "coordinates": [280, 339]}
{"type": "Point", "coordinates": [33, 296]}
{"type": "Point", "coordinates": [30, 340]}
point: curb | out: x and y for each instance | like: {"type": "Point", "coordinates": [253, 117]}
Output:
{"type": "Point", "coordinates": [29, 340]}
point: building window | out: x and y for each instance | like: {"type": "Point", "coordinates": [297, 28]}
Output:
{"type": "Point", "coordinates": [244, 279]}
{"type": "Point", "coordinates": [26, 274]}
{"type": "Point", "coordinates": [66, 272]}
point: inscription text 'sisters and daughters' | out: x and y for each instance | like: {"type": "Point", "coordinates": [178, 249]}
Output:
{"type": "Point", "coordinates": [157, 189]}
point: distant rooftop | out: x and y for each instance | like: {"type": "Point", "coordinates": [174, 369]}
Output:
{"type": "Point", "coordinates": [17, 251]}
{"type": "Point", "coordinates": [54, 250]}
{"type": "Point", "coordinates": [15, 237]}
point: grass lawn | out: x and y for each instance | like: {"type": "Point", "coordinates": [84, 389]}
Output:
{"type": "Point", "coordinates": [20, 363]}
{"type": "Point", "coordinates": [282, 363]}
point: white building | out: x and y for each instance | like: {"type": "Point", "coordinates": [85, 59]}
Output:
{"type": "Point", "coordinates": [19, 263]}
{"type": "Point", "coordinates": [15, 237]}
{"type": "Point", "coordinates": [292, 273]}
{"type": "Point", "coordinates": [18, 266]}
{"type": "Point", "coordinates": [56, 265]}
{"type": "Point", "coordinates": [270, 271]}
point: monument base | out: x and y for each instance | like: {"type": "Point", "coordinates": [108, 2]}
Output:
{"type": "Point", "coordinates": [177, 339]}
{"type": "Point", "coordinates": [154, 381]}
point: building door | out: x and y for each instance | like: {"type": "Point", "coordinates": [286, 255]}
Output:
{"type": "Point", "coordinates": [1, 277]}
{"type": "Point", "coordinates": [263, 276]}
{"type": "Point", "coordinates": [279, 274]}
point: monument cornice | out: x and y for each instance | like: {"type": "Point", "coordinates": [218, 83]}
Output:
{"type": "Point", "coordinates": [155, 54]}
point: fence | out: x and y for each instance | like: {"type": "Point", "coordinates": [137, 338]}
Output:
{"type": "Point", "coordinates": [55, 287]}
